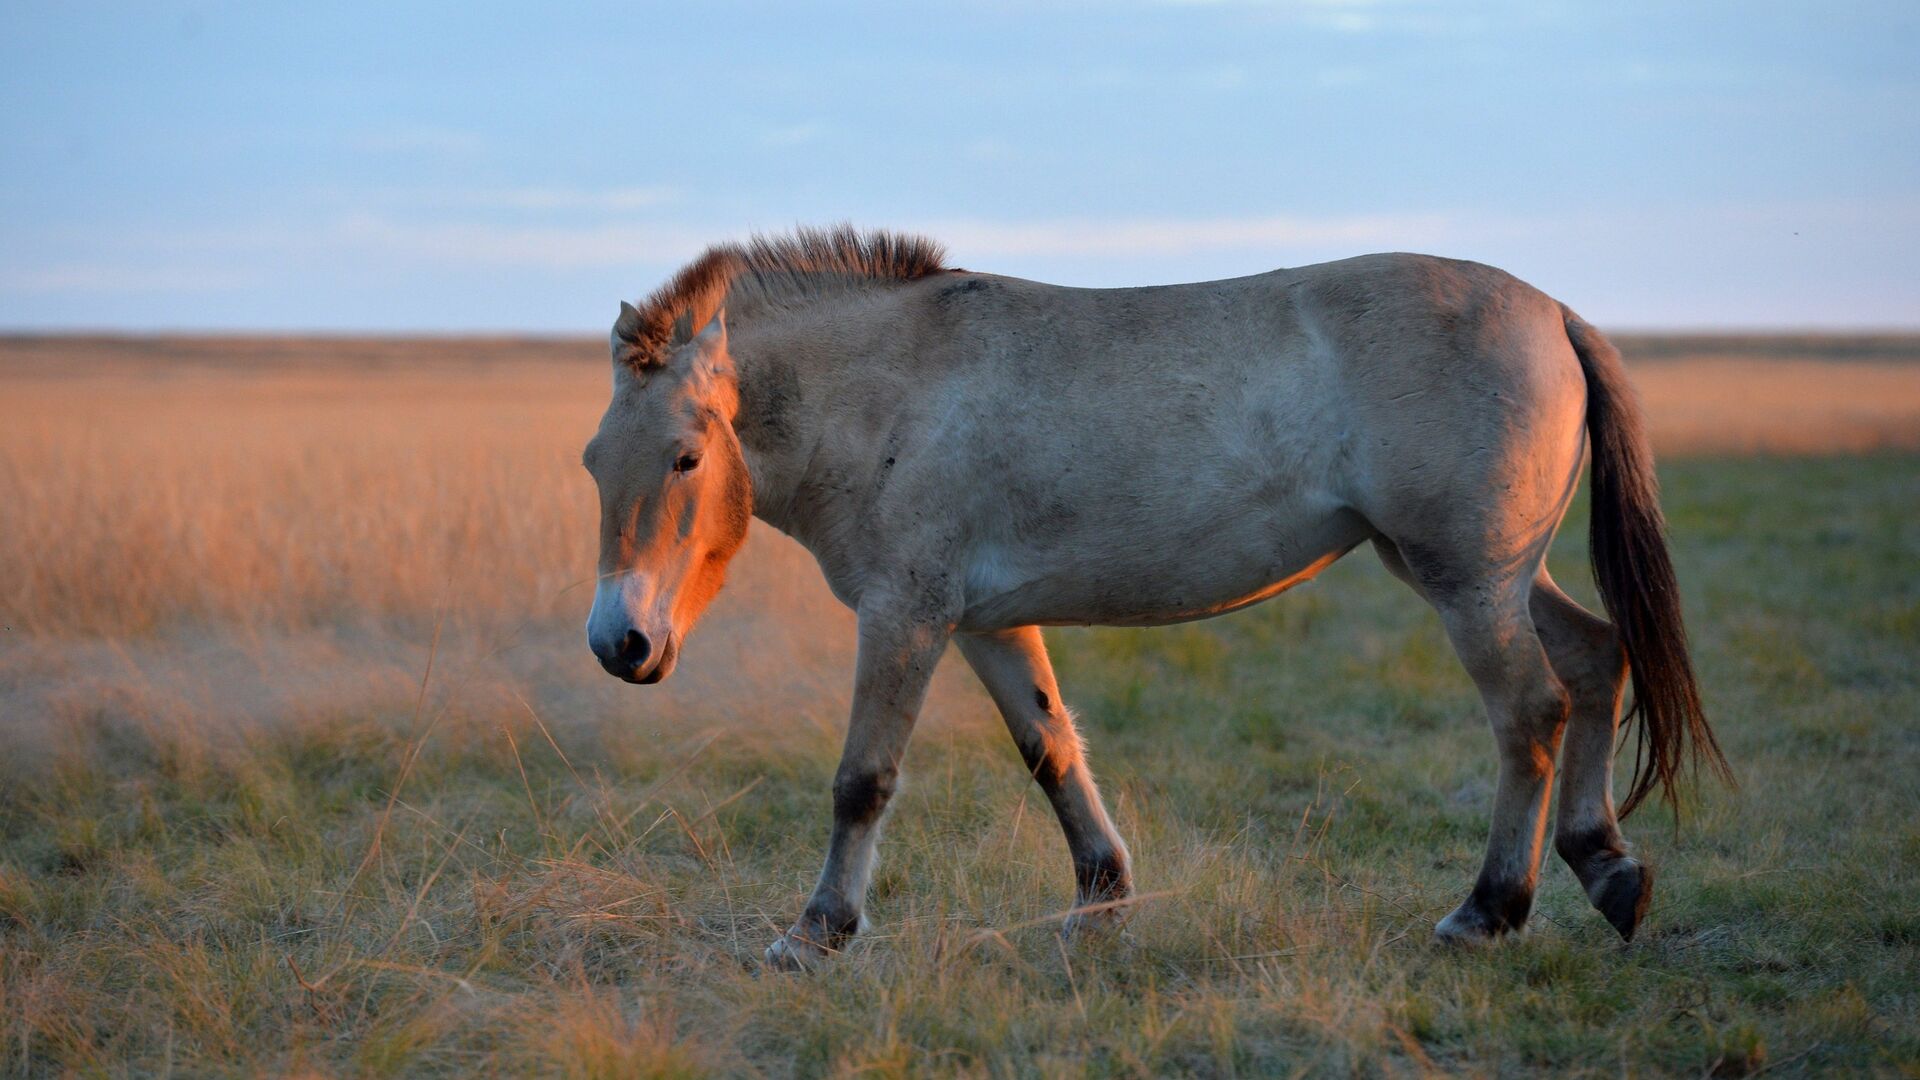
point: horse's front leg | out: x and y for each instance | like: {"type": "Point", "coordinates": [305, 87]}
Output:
{"type": "Point", "coordinates": [1014, 667]}
{"type": "Point", "coordinates": [899, 646]}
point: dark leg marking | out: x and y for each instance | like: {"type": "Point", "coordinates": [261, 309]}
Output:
{"type": "Point", "coordinates": [1102, 875]}
{"type": "Point", "coordinates": [829, 923]}
{"type": "Point", "coordinates": [858, 801]}
{"type": "Point", "coordinates": [1619, 886]}
{"type": "Point", "coordinates": [1588, 850]}
{"type": "Point", "coordinates": [1626, 897]}
{"type": "Point", "coordinates": [1042, 765]}
{"type": "Point", "coordinates": [859, 798]}
{"type": "Point", "coordinates": [1502, 906]}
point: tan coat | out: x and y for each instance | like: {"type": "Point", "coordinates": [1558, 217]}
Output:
{"type": "Point", "coordinates": [971, 457]}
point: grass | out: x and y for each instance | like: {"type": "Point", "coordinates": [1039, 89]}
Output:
{"type": "Point", "coordinates": [308, 773]}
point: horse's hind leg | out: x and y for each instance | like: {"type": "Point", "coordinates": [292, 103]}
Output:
{"type": "Point", "coordinates": [1487, 620]}
{"type": "Point", "coordinates": [1587, 656]}
{"type": "Point", "coordinates": [1013, 665]}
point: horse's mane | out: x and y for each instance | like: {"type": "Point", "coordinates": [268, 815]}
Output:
{"type": "Point", "coordinates": [769, 267]}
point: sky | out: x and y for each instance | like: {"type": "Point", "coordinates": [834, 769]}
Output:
{"type": "Point", "coordinates": [482, 167]}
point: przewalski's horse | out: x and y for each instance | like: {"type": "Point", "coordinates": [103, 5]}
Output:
{"type": "Point", "coordinates": [971, 457]}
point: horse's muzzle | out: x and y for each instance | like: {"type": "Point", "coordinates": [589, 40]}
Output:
{"type": "Point", "coordinates": [625, 656]}
{"type": "Point", "coordinates": [633, 658]}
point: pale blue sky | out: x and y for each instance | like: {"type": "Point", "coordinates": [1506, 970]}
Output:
{"type": "Point", "coordinates": [481, 167]}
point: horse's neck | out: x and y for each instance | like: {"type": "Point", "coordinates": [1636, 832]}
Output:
{"type": "Point", "coordinates": [800, 390]}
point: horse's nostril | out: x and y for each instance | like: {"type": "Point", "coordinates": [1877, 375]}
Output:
{"type": "Point", "coordinates": [634, 648]}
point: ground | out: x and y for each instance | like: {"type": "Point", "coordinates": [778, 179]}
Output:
{"type": "Point", "coordinates": [308, 769]}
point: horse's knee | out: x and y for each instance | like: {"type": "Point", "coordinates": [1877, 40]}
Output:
{"type": "Point", "coordinates": [1529, 731]}
{"type": "Point", "coordinates": [1051, 751]}
{"type": "Point", "coordinates": [860, 796]}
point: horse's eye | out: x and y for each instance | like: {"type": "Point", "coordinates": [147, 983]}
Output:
{"type": "Point", "coordinates": [686, 463]}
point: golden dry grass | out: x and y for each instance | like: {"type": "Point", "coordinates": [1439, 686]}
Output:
{"type": "Point", "coordinates": [287, 482]}
{"type": "Point", "coordinates": [308, 771]}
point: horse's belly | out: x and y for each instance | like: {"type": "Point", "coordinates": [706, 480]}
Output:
{"type": "Point", "coordinates": [1148, 584]}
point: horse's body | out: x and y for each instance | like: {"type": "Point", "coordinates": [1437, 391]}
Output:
{"type": "Point", "coordinates": [972, 456]}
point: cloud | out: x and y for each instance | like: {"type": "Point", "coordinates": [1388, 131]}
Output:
{"type": "Point", "coordinates": [559, 198]}
{"type": "Point", "coordinates": [1762, 263]}
{"type": "Point", "coordinates": [1184, 236]}
{"type": "Point", "coordinates": [627, 243]}
{"type": "Point", "coordinates": [1352, 16]}
{"type": "Point", "coordinates": [800, 134]}
{"type": "Point", "coordinates": [986, 149]}
{"type": "Point", "coordinates": [550, 247]}
{"type": "Point", "coordinates": [105, 278]}
{"type": "Point", "coordinates": [412, 139]}
{"type": "Point", "coordinates": [189, 259]}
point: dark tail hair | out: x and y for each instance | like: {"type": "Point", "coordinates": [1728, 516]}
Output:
{"type": "Point", "coordinates": [1636, 582]}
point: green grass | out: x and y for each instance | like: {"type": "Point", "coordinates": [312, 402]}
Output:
{"type": "Point", "coordinates": [1304, 785]}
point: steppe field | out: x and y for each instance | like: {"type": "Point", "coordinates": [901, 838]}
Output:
{"type": "Point", "coordinates": [305, 768]}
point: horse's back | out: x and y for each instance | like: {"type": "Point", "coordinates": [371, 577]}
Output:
{"type": "Point", "coordinates": [1398, 344]}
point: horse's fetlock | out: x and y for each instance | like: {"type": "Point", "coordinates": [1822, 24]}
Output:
{"type": "Point", "coordinates": [828, 922]}
{"type": "Point", "coordinates": [1503, 904]}
{"type": "Point", "coordinates": [1587, 848]}
{"type": "Point", "coordinates": [1102, 873]}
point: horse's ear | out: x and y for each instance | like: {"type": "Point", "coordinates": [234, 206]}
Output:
{"type": "Point", "coordinates": [629, 336]}
{"type": "Point", "coordinates": [627, 328]}
{"type": "Point", "coordinates": [682, 329]}
{"type": "Point", "coordinates": [714, 335]}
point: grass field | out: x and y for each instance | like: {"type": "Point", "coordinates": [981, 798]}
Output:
{"type": "Point", "coordinates": [307, 769]}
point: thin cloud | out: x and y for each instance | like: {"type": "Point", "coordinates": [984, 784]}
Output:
{"type": "Point", "coordinates": [431, 141]}
{"type": "Point", "coordinates": [1351, 16]}
{"type": "Point", "coordinates": [986, 149]}
{"type": "Point", "coordinates": [106, 278]}
{"type": "Point", "coordinates": [1183, 236]}
{"type": "Point", "coordinates": [622, 244]}
{"type": "Point", "coordinates": [550, 247]}
{"type": "Point", "coordinates": [800, 134]}
{"type": "Point", "coordinates": [561, 198]}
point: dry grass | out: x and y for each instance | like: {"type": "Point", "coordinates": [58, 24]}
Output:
{"type": "Point", "coordinates": [308, 771]}
{"type": "Point", "coordinates": [1718, 404]}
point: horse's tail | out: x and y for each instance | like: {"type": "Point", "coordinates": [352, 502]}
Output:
{"type": "Point", "coordinates": [1636, 582]}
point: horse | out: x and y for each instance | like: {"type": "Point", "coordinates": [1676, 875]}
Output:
{"type": "Point", "coordinates": [971, 457]}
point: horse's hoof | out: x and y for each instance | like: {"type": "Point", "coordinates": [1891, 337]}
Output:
{"type": "Point", "coordinates": [1624, 896]}
{"type": "Point", "coordinates": [1470, 928]}
{"type": "Point", "coordinates": [793, 952]}
{"type": "Point", "coordinates": [1101, 922]}
{"type": "Point", "coordinates": [1462, 930]}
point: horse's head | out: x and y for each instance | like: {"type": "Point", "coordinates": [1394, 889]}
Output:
{"type": "Point", "coordinates": [675, 496]}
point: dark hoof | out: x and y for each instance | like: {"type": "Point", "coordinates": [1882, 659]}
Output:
{"type": "Point", "coordinates": [810, 943]}
{"type": "Point", "coordinates": [1469, 928]}
{"type": "Point", "coordinates": [793, 952]}
{"type": "Point", "coordinates": [1106, 918]}
{"type": "Point", "coordinates": [1625, 896]}
{"type": "Point", "coordinates": [1492, 911]}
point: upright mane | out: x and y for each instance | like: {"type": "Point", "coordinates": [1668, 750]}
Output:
{"type": "Point", "coordinates": [767, 265]}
